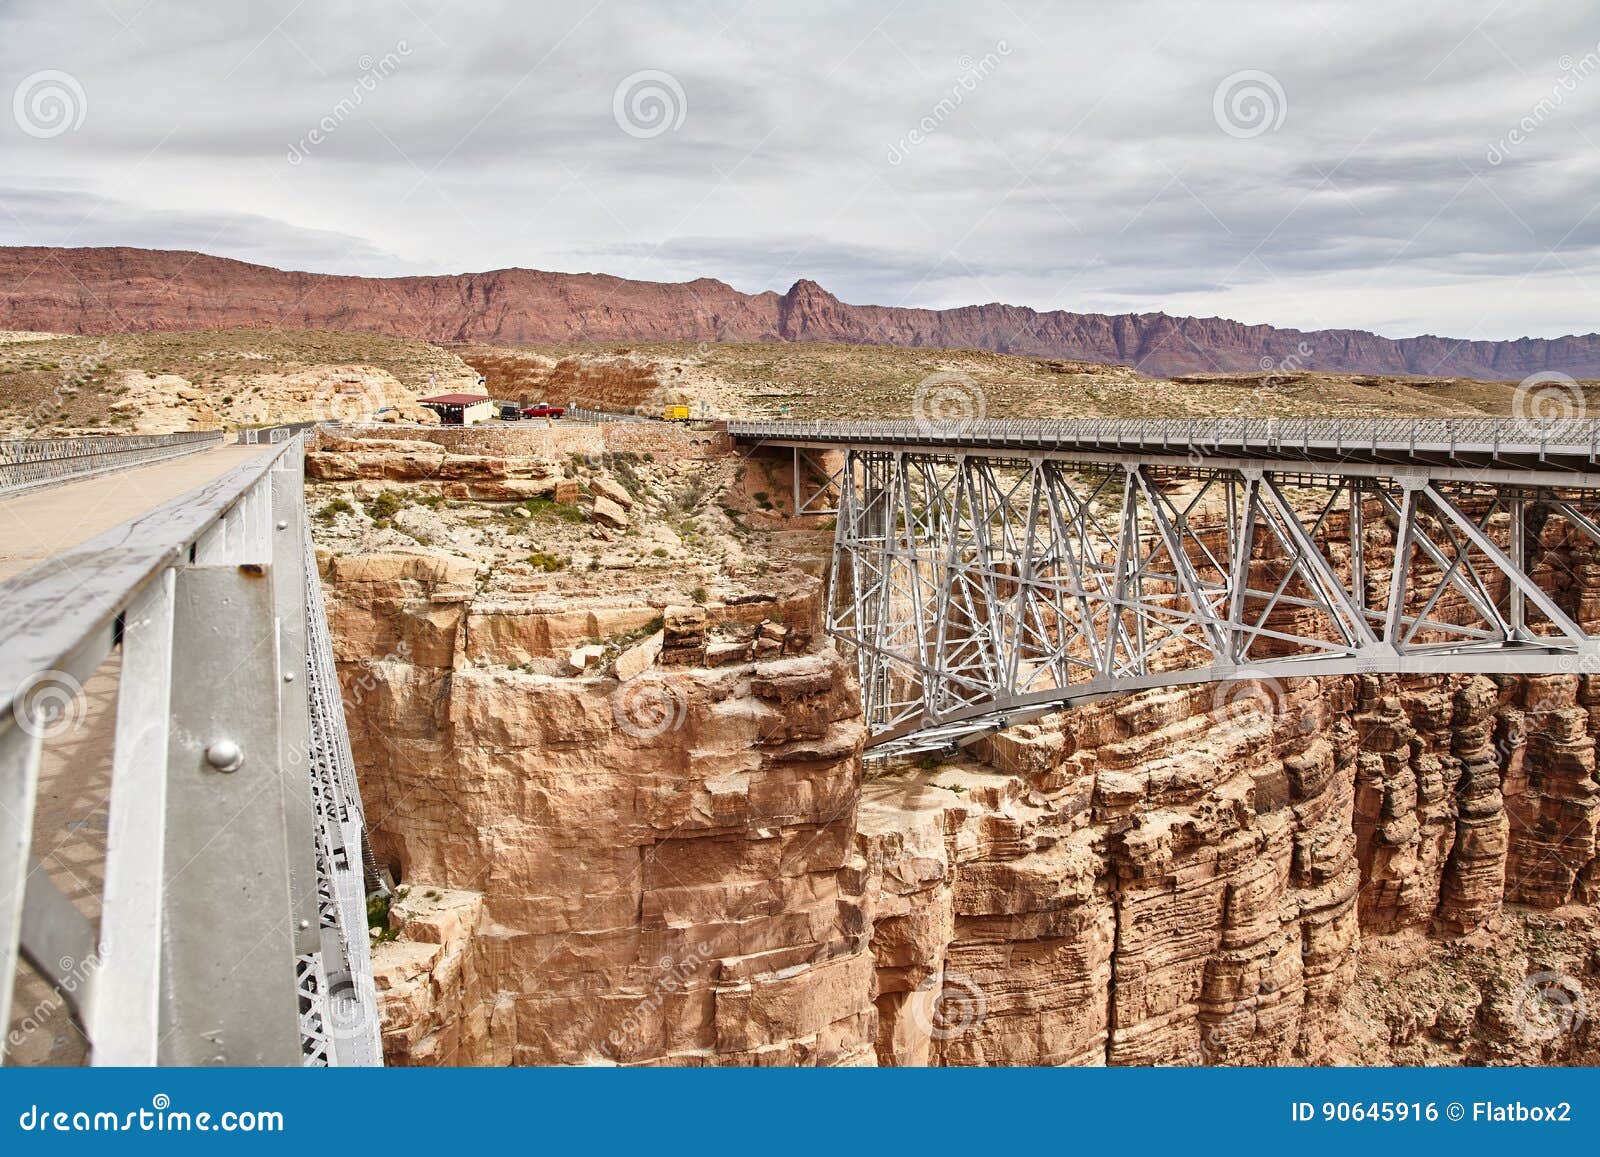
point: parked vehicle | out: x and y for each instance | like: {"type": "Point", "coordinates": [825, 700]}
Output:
{"type": "Point", "coordinates": [510, 412]}
{"type": "Point", "coordinates": [675, 414]}
{"type": "Point", "coordinates": [543, 410]}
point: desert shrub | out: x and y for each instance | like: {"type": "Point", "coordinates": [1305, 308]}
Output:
{"type": "Point", "coordinates": [385, 506]}
{"type": "Point", "coordinates": [549, 508]}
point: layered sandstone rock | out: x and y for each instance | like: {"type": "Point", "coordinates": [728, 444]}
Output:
{"type": "Point", "coordinates": [437, 1007]}
{"type": "Point", "coordinates": [669, 854]}
{"type": "Point", "coordinates": [666, 864]}
{"type": "Point", "coordinates": [675, 868]}
{"type": "Point", "coordinates": [113, 290]}
{"type": "Point", "coordinates": [1179, 878]}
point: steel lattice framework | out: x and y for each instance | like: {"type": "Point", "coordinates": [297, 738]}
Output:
{"type": "Point", "coordinates": [976, 583]}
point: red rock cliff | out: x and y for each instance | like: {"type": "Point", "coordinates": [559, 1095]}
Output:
{"type": "Point", "coordinates": [106, 290]}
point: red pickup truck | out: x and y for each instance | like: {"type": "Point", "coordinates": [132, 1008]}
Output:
{"type": "Point", "coordinates": [543, 410]}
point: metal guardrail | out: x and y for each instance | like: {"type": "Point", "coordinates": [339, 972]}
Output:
{"type": "Point", "coordinates": [591, 417]}
{"type": "Point", "coordinates": [272, 435]}
{"type": "Point", "coordinates": [1322, 438]}
{"type": "Point", "coordinates": [232, 926]}
{"type": "Point", "coordinates": [34, 463]}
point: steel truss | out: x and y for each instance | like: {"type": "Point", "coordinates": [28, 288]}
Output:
{"type": "Point", "coordinates": [975, 587]}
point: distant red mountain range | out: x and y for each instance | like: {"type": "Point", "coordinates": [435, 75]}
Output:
{"type": "Point", "coordinates": [114, 290]}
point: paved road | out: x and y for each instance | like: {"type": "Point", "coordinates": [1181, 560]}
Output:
{"type": "Point", "coordinates": [35, 526]}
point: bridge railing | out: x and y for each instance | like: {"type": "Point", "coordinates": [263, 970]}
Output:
{"type": "Point", "coordinates": [232, 922]}
{"type": "Point", "coordinates": [587, 416]}
{"type": "Point", "coordinates": [34, 463]}
{"type": "Point", "coordinates": [272, 435]}
{"type": "Point", "coordinates": [1484, 436]}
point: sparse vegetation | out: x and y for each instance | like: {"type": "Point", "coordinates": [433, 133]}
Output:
{"type": "Point", "coordinates": [549, 508]}
{"type": "Point", "coordinates": [331, 510]}
{"type": "Point", "coordinates": [383, 507]}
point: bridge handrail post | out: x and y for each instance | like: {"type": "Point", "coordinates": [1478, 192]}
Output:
{"type": "Point", "coordinates": [207, 947]}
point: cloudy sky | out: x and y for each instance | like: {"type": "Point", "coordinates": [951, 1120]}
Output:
{"type": "Point", "coordinates": [1426, 167]}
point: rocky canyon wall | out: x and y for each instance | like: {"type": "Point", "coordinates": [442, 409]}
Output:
{"type": "Point", "coordinates": [1185, 876]}
{"type": "Point", "coordinates": [675, 856]}
{"type": "Point", "coordinates": [664, 868]}
{"type": "Point", "coordinates": [1171, 878]}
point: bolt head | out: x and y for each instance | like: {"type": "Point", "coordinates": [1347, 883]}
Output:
{"type": "Point", "coordinates": [288, 676]}
{"type": "Point", "coordinates": [224, 755]}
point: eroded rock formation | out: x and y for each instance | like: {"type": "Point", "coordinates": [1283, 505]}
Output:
{"type": "Point", "coordinates": [1176, 878]}
{"type": "Point", "coordinates": [614, 831]}
{"type": "Point", "coordinates": [114, 290]}
{"type": "Point", "coordinates": [635, 828]}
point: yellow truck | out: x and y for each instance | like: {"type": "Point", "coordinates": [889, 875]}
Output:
{"type": "Point", "coordinates": [675, 413]}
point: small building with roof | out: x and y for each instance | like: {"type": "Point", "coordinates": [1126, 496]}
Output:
{"type": "Point", "coordinates": [460, 409]}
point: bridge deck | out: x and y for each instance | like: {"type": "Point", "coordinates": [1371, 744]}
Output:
{"type": "Point", "coordinates": [148, 658]}
{"type": "Point", "coordinates": [1505, 447]}
{"type": "Point", "coordinates": [43, 523]}
{"type": "Point", "coordinates": [70, 821]}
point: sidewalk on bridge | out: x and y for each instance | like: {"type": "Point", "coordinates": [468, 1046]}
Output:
{"type": "Point", "coordinates": [35, 526]}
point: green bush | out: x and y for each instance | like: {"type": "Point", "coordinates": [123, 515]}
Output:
{"type": "Point", "coordinates": [333, 509]}
{"type": "Point", "coordinates": [385, 506]}
{"type": "Point", "coordinates": [548, 508]}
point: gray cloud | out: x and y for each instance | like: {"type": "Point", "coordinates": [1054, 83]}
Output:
{"type": "Point", "coordinates": [933, 154]}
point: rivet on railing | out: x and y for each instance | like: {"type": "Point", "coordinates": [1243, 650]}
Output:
{"type": "Point", "coordinates": [224, 755]}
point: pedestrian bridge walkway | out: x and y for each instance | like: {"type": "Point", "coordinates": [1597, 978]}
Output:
{"type": "Point", "coordinates": [181, 835]}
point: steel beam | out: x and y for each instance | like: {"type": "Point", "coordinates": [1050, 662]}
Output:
{"type": "Point", "coordinates": [974, 583]}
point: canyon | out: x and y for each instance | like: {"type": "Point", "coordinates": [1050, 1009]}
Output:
{"type": "Point", "coordinates": [615, 769]}
{"type": "Point", "coordinates": [117, 290]}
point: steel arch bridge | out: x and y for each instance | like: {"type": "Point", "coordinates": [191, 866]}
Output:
{"type": "Point", "coordinates": [987, 572]}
